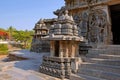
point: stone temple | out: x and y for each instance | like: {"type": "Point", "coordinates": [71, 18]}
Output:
{"type": "Point", "coordinates": [97, 21]}
{"type": "Point", "coordinates": [83, 41]}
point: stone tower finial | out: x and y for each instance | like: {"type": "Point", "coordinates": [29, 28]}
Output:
{"type": "Point", "coordinates": [66, 11]}
{"type": "Point", "coordinates": [41, 20]}
{"type": "Point", "coordinates": [62, 17]}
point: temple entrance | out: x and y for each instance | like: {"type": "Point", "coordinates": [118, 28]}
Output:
{"type": "Point", "coordinates": [115, 17]}
{"type": "Point", "coordinates": [57, 48]}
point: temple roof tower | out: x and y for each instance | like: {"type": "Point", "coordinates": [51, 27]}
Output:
{"type": "Point", "coordinates": [64, 29]}
{"type": "Point", "coordinates": [40, 29]}
{"type": "Point", "coordinates": [39, 45]}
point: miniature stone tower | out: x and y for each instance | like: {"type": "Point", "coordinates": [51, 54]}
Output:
{"type": "Point", "coordinates": [39, 45]}
{"type": "Point", "coordinates": [64, 48]}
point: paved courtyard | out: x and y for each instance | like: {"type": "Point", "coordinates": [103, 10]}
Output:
{"type": "Point", "coordinates": [24, 69]}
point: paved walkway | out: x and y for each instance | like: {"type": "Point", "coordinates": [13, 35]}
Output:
{"type": "Point", "coordinates": [25, 69]}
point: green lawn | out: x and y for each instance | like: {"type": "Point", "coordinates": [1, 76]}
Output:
{"type": "Point", "coordinates": [3, 49]}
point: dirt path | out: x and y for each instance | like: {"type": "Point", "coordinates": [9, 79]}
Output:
{"type": "Point", "coordinates": [3, 56]}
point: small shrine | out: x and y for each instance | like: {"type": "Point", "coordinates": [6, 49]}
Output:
{"type": "Point", "coordinates": [64, 48]}
{"type": "Point", "coordinates": [39, 45]}
{"type": "Point", "coordinates": [40, 29]}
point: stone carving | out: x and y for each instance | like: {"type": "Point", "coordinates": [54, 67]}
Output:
{"type": "Point", "coordinates": [64, 26]}
{"type": "Point", "coordinates": [82, 22]}
{"type": "Point", "coordinates": [60, 12]}
{"type": "Point", "coordinates": [97, 26]}
{"type": "Point", "coordinates": [62, 36]}
{"type": "Point", "coordinates": [72, 4]}
{"type": "Point", "coordinates": [57, 67]}
{"type": "Point", "coordinates": [92, 24]}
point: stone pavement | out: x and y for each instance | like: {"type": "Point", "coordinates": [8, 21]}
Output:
{"type": "Point", "coordinates": [24, 69]}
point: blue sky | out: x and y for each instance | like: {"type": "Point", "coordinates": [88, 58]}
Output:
{"type": "Point", "coordinates": [23, 14]}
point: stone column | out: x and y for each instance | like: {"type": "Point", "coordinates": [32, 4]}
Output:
{"type": "Point", "coordinates": [52, 48]}
{"type": "Point", "coordinates": [76, 49]}
{"type": "Point", "coordinates": [73, 49]}
{"type": "Point", "coordinates": [70, 48]}
{"type": "Point", "coordinates": [66, 49]}
{"type": "Point", "coordinates": [62, 70]}
{"type": "Point", "coordinates": [61, 49]}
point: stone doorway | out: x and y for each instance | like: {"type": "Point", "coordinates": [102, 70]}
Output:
{"type": "Point", "coordinates": [115, 18]}
{"type": "Point", "coordinates": [57, 46]}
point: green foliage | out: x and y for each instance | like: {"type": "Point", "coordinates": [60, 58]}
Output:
{"type": "Point", "coordinates": [3, 52]}
{"type": "Point", "coordinates": [3, 49]}
{"type": "Point", "coordinates": [22, 36]}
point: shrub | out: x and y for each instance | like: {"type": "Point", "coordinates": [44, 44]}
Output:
{"type": "Point", "coordinates": [3, 49]}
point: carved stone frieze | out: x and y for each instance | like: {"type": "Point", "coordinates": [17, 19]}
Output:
{"type": "Point", "coordinates": [57, 67]}
{"type": "Point", "coordinates": [92, 24]}
{"type": "Point", "coordinates": [97, 26]}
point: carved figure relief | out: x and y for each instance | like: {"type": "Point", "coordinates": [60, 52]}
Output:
{"type": "Point", "coordinates": [92, 25]}
{"type": "Point", "coordinates": [97, 26]}
{"type": "Point", "coordinates": [82, 21]}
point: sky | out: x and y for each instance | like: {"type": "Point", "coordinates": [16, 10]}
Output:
{"type": "Point", "coordinates": [23, 14]}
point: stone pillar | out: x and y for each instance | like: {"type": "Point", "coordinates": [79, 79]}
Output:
{"type": "Point", "coordinates": [61, 49]}
{"type": "Point", "coordinates": [76, 49]}
{"type": "Point", "coordinates": [52, 48]}
{"type": "Point", "coordinates": [68, 68]}
{"type": "Point", "coordinates": [73, 50]}
{"type": "Point", "coordinates": [70, 49]}
{"type": "Point", "coordinates": [62, 70]}
{"type": "Point", "coordinates": [66, 52]}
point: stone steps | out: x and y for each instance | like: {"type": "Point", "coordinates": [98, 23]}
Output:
{"type": "Point", "coordinates": [109, 46]}
{"type": "Point", "coordinates": [108, 68]}
{"type": "Point", "coordinates": [103, 61]}
{"type": "Point", "coordinates": [105, 56]}
{"type": "Point", "coordinates": [84, 77]}
{"type": "Point", "coordinates": [99, 74]}
{"type": "Point", "coordinates": [104, 51]}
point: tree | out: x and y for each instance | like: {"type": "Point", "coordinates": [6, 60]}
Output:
{"type": "Point", "coordinates": [10, 30]}
{"type": "Point", "coordinates": [3, 34]}
{"type": "Point", "coordinates": [24, 37]}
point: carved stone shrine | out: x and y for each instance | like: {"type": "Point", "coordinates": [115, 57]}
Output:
{"type": "Point", "coordinates": [39, 45]}
{"type": "Point", "coordinates": [64, 48]}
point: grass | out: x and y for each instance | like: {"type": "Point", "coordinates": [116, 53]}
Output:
{"type": "Point", "coordinates": [3, 49]}
{"type": "Point", "coordinates": [3, 52]}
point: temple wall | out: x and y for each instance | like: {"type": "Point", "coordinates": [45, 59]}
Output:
{"type": "Point", "coordinates": [38, 46]}
{"type": "Point", "coordinates": [94, 23]}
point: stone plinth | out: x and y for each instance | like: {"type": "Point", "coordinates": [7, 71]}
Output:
{"type": "Point", "coordinates": [58, 67]}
